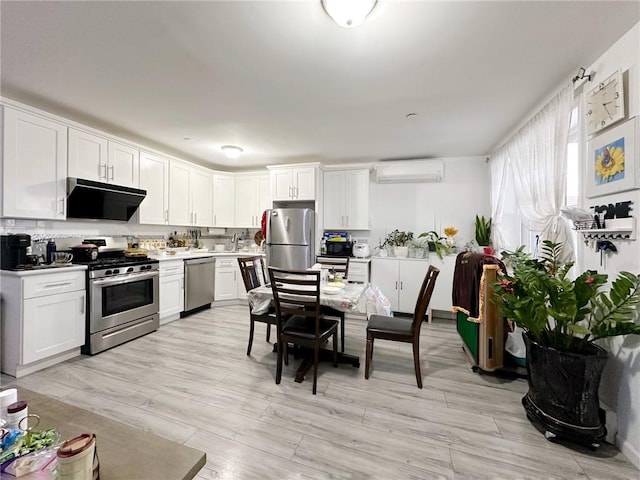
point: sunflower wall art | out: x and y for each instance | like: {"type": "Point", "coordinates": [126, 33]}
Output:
{"type": "Point", "coordinates": [612, 163]}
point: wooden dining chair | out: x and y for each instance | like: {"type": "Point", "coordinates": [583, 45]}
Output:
{"type": "Point", "coordinates": [403, 329]}
{"type": "Point", "coordinates": [252, 271]}
{"type": "Point", "coordinates": [296, 295]}
{"type": "Point", "coordinates": [339, 265]}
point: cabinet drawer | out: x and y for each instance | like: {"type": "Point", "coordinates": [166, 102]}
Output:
{"type": "Point", "coordinates": [226, 263]}
{"type": "Point", "coordinates": [359, 269]}
{"type": "Point", "coordinates": [173, 267]}
{"type": "Point", "coordinates": [53, 283]}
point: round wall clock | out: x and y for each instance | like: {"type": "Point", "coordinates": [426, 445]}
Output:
{"type": "Point", "coordinates": [605, 103]}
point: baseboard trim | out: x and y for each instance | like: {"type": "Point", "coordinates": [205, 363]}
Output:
{"type": "Point", "coordinates": [628, 450]}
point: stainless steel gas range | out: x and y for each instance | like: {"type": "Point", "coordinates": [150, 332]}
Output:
{"type": "Point", "coordinates": [122, 296]}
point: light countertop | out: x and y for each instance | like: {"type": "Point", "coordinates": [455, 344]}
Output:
{"type": "Point", "coordinates": [189, 255]}
{"type": "Point", "coordinates": [44, 271]}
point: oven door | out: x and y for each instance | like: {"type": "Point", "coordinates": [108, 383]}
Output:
{"type": "Point", "coordinates": [122, 299]}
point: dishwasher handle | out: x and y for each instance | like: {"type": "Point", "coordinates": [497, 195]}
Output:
{"type": "Point", "coordinates": [198, 261]}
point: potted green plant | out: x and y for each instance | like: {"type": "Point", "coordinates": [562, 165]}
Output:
{"type": "Point", "coordinates": [436, 243]}
{"type": "Point", "coordinates": [399, 240]}
{"type": "Point", "coordinates": [562, 318]}
{"type": "Point", "coordinates": [483, 234]}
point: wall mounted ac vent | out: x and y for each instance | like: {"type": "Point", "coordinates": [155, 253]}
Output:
{"type": "Point", "coordinates": [414, 171]}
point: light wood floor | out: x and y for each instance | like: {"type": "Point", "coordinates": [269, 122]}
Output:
{"type": "Point", "coordinates": [192, 382]}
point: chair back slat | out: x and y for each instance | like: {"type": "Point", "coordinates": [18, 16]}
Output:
{"type": "Point", "coordinates": [296, 292]}
{"type": "Point", "coordinates": [424, 296]}
{"type": "Point", "coordinates": [339, 264]}
{"type": "Point", "coordinates": [252, 271]}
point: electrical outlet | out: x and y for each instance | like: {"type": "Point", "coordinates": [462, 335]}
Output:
{"type": "Point", "coordinates": [10, 222]}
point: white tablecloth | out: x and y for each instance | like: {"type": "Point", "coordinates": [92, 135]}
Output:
{"type": "Point", "coordinates": [354, 297]}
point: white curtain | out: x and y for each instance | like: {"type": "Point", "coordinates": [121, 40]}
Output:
{"type": "Point", "coordinates": [537, 156]}
{"type": "Point", "coordinates": [499, 171]}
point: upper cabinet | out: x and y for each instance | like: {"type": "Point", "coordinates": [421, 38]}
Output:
{"type": "Point", "coordinates": [293, 183]}
{"type": "Point", "coordinates": [252, 198]}
{"type": "Point", "coordinates": [190, 199]}
{"type": "Point", "coordinates": [223, 200]}
{"type": "Point", "coordinates": [34, 166]}
{"type": "Point", "coordinates": [154, 178]}
{"type": "Point", "coordinates": [93, 157]}
{"type": "Point", "coordinates": [346, 199]}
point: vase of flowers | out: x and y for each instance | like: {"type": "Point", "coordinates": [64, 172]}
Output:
{"type": "Point", "coordinates": [561, 319]}
{"type": "Point", "coordinates": [450, 233]}
{"type": "Point", "coordinates": [399, 240]}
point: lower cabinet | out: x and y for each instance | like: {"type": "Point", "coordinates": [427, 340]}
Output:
{"type": "Point", "coordinates": [226, 279]}
{"type": "Point", "coordinates": [43, 320]}
{"type": "Point", "coordinates": [400, 280]}
{"type": "Point", "coordinates": [358, 271]}
{"type": "Point", "coordinates": [441, 303]}
{"type": "Point", "coordinates": [171, 290]}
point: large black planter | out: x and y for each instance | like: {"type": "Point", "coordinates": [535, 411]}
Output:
{"type": "Point", "coordinates": [562, 400]}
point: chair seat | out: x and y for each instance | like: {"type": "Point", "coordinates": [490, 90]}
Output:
{"type": "Point", "coordinates": [303, 328]}
{"type": "Point", "coordinates": [389, 325]}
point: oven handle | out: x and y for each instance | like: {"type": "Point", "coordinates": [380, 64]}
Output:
{"type": "Point", "coordinates": [125, 279]}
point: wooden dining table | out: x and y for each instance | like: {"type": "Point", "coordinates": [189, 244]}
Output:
{"type": "Point", "coordinates": [357, 298]}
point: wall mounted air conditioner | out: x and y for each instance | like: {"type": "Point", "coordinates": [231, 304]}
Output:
{"type": "Point", "coordinates": [413, 171]}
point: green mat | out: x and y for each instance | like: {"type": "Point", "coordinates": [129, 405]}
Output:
{"type": "Point", "coordinates": [469, 333]}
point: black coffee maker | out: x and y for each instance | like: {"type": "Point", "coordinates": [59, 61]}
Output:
{"type": "Point", "coordinates": [13, 250]}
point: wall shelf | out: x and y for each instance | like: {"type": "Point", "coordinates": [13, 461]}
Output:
{"type": "Point", "coordinates": [615, 229]}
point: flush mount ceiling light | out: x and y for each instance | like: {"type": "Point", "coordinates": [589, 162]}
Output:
{"type": "Point", "coordinates": [231, 151]}
{"type": "Point", "coordinates": [348, 13]}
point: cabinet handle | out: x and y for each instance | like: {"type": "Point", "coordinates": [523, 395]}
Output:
{"type": "Point", "coordinates": [62, 206]}
{"type": "Point", "coordinates": [396, 285]}
{"type": "Point", "coordinates": [82, 305]}
{"type": "Point", "coordinates": [215, 220]}
{"type": "Point", "coordinates": [290, 191]}
{"type": "Point", "coordinates": [112, 175]}
{"type": "Point", "coordinates": [166, 215]}
{"type": "Point", "coordinates": [100, 167]}
{"type": "Point", "coordinates": [346, 224]}
{"type": "Point", "coordinates": [53, 285]}
{"type": "Point", "coordinates": [195, 218]}
{"type": "Point", "coordinates": [191, 218]}
{"type": "Point", "coordinates": [400, 285]}
{"type": "Point", "coordinates": [295, 192]}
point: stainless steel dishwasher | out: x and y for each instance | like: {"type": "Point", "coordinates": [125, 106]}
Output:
{"type": "Point", "coordinates": [199, 274]}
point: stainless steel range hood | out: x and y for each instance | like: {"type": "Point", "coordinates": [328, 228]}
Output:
{"type": "Point", "coordinates": [101, 201]}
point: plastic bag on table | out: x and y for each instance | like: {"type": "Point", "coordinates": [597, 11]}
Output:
{"type": "Point", "coordinates": [376, 302]}
{"type": "Point", "coordinates": [515, 343]}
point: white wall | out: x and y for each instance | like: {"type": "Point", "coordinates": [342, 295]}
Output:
{"type": "Point", "coordinates": [420, 207]}
{"type": "Point", "coordinates": [620, 388]}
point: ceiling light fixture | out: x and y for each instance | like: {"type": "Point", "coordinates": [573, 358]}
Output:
{"type": "Point", "coordinates": [348, 13]}
{"type": "Point", "coordinates": [231, 151]}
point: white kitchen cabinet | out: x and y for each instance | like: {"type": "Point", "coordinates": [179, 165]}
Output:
{"type": "Point", "coordinates": [293, 183]}
{"type": "Point", "coordinates": [399, 280]}
{"type": "Point", "coordinates": [346, 199]}
{"type": "Point", "coordinates": [223, 200]}
{"type": "Point", "coordinates": [441, 303]}
{"type": "Point", "coordinates": [154, 178]}
{"type": "Point", "coordinates": [253, 197]}
{"type": "Point", "coordinates": [358, 271]}
{"type": "Point", "coordinates": [43, 319]}
{"type": "Point", "coordinates": [96, 158]}
{"type": "Point", "coordinates": [190, 199]}
{"type": "Point", "coordinates": [227, 275]}
{"type": "Point", "coordinates": [34, 167]}
{"type": "Point", "coordinates": [171, 291]}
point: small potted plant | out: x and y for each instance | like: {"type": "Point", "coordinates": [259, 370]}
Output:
{"type": "Point", "coordinates": [561, 319]}
{"type": "Point", "coordinates": [399, 240]}
{"type": "Point", "coordinates": [483, 234]}
{"type": "Point", "coordinates": [435, 243]}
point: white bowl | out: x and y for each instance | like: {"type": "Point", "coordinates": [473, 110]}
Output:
{"type": "Point", "coordinates": [331, 290]}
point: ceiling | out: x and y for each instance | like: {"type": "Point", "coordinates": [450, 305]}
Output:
{"type": "Point", "coordinates": [281, 80]}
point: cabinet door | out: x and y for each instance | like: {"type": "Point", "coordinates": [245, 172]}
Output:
{"type": "Point", "coordinates": [124, 165]}
{"type": "Point", "coordinates": [441, 297]}
{"type": "Point", "coordinates": [412, 274]}
{"type": "Point", "coordinates": [334, 198]}
{"type": "Point", "coordinates": [225, 283]}
{"type": "Point", "coordinates": [281, 188]}
{"type": "Point", "coordinates": [245, 201]}
{"type": "Point", "coordinates": [52, 325]}
{"type": "Point", "coordinates": [356, 199]}
{"type": "Point", "coordinates": [34, 167]}
{"type": "Point", "coordinates": [154, 178]}
{"type": "Point", "coordinates": [385, 274]}
{"type": "Point", "coordinates": [224, 196]}
{"type": "Point", "coordinates": [264, 197]}
{"type": "Point", "coordinates": [179, 200]}
{"type": "Point", "coordinates": [201, 198]}
{"type": "Point", "coordinates": [171, 295]}
{"type": "Point", "coordinates": [87, 156]}
{"type": "Point", "coordinates": [241, 290]}
{"type": "Point", "coordinates": [304, 183]}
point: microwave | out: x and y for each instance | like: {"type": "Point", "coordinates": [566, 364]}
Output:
{"type": "Point", "coordinates": [339, 249]}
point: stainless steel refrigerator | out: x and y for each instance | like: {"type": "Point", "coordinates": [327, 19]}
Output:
{"type": "Point", "coordinates": [290, 238]}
